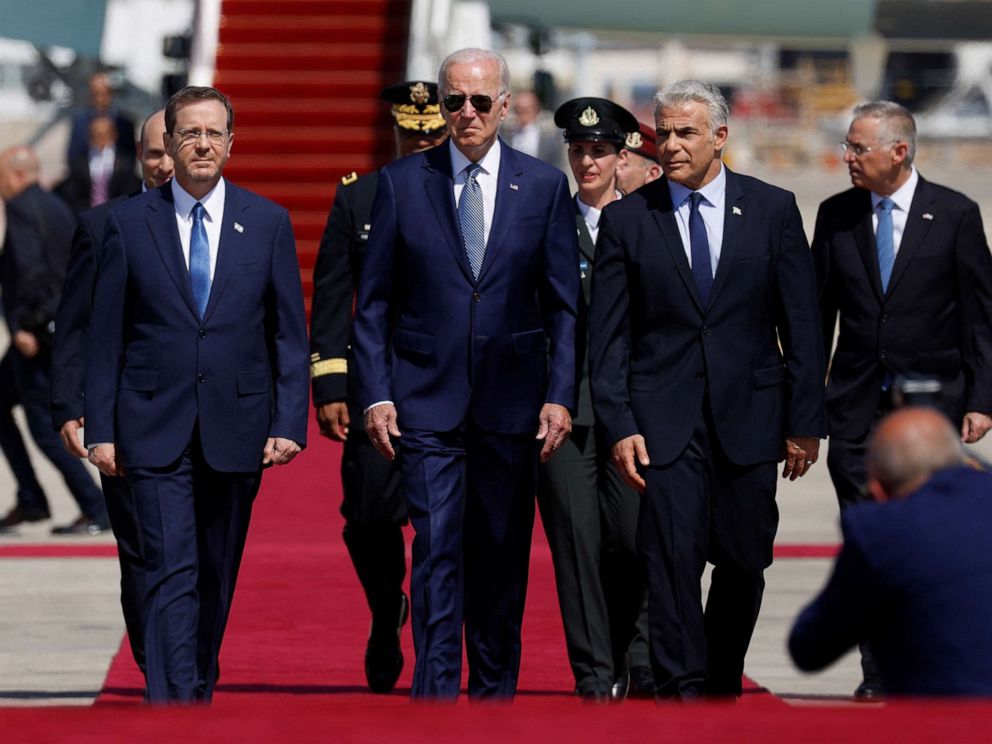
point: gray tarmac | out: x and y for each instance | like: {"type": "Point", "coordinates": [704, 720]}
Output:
{"type": "Point", "coordinates": [60, 622]}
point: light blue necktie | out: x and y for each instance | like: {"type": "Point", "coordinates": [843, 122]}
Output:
{"type": "Point", "coordinates": [884, 242]}
{"type": "Point", "coordinates": [699, 249]}
{"type": "Point", "coordinates": [471, 219]}
{"type": "Point", "coordinates": [199, 260]}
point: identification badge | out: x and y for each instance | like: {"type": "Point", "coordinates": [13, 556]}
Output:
{"type": "Point", "coordinates": [583, 268]}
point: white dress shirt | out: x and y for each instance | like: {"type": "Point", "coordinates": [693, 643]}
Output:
{"type": "Point", "coordinates": [591, 215]}
{"type": "Point", "coordinates": [711, 209]}
{"type": "Point", "coordinates": [902, 198]}
{"type": "Point", "coordinates": [213, 208]}
{"type": "Point", "coordinates": [101, 163]}
{"type": "Point", "coordinates": [487, 178]}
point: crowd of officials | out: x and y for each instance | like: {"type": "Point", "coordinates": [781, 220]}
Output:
{"type": "Point", "coordinates": [640, 355]}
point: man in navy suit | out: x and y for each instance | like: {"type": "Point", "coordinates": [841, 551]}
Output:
{"type": "Point", "coordinates": [465, 338]}
{"type": "Point", "coordinates": [69, 361]}
{"type": "Point", "coordinates": [903, 263]}
{"type": "Point", "coordinates": [706, 369]}
{"type": "Point", "coordinates": [914, 577]}
{"type": "Point", "coordinates": [196, 378]}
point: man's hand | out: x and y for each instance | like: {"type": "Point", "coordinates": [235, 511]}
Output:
{"type": "Point", "coordinates": [627, 454]}
{"type": "Point", "coordinates": [380, 424]}
{"type": "Point", "coordinates": [974, 426]}
{"type": "Point", "coordinates": [104, 457]}
{"type": "Point", "coordinates": [279, 451]}
{"type": "Point", "coordinates": [70, 437]}
{"type": "Point", "coordinates": [333, 420]}
{"type": "Point", "coordinates": [27, 344]}
{"type": "Point", "coordinates": [556, 425]}
{"type": "Point", "coordinates": [799, 454]}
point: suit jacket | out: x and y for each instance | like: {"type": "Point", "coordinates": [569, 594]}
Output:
{"type": "Point", "coordinates": [77, 188]}
{"type": "Point", "coordinates": [73, 317]}
{"type": "Point", "coordinates": [33, 259]}
{"type": "Point", "coordinates": [335, 280]}
{"type": "Point", "coordinates": [935, 320]}
{"type": "Point", "coordinates": [752, 352]}
{"type": "Point", "coordinates": [443, 346]}
{"type": "Point", "coordinates": [155, 370]}
{"type": "Point", "coordinates": [914, 579]}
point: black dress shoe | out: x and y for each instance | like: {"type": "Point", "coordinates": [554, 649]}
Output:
{"type": "Point", "coordinates": [620, 687]}
{"type": "Point", "coordinates": [641, 683]}
{"type": "Point", "coordinates": [870, 691]}
{"type": "Point", "coordinates": [82, 526]}
{"type": "Point", "coordinates": [383, 655]}
{"type": "Point", "coordinates": [17, 516]}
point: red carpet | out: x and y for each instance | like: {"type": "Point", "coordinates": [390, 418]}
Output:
{"type": "Point", "coordinates": [292, 665]}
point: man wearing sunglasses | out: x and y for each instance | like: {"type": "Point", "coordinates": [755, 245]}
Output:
{"type": "Point", "coordinates": [465, 343]}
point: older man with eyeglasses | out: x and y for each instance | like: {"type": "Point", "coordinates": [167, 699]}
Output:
{"type": "Point", "coordinates": [904, 264]}
{"type": "Point", "coordinates": [465, 343]}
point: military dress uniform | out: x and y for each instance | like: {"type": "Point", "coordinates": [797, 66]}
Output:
{"type": "Point", "coordinates": [373, 507]}
{"type": "Point", "coordinates": [589, 513]}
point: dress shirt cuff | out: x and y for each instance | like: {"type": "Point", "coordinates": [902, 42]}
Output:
{"type": "Point", "coordinates": [377, 403]}
{"type": "Point", "coordinates": [91, 447]}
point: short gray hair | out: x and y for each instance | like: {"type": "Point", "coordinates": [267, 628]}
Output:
{"type": "Point", "coordinates": [470, 55]}
{"type": "Point", "coordinates": [897, 124]}
{"type": "Point", "coordinates": [686, 91]}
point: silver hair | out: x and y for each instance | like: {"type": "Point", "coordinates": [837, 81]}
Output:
{"type": "Point", "coordinates": [896, 123]}
{"type": "Point", "coordinates": [686, 91]}
{"type": "Point", "coordinates": [468, 56]}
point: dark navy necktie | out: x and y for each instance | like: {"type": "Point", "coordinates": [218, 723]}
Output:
{"type": "Point", "coordinates": [471, 219]}
{"type": "Point", "coordinates": [199, 260]}
{"type": "Point", "coordinates": [885, 242]}
{"type": "Point", "coordinates": [699, 249]}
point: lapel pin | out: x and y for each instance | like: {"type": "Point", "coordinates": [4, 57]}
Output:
{"type": "Point", "coordinates": [736, 210]}
{"type": "Point", "coordinates": [927, 216]}
{"type": "Point", "coordinates": [238, 226]}
{"type": "Point", "coordinates": [514, 187]}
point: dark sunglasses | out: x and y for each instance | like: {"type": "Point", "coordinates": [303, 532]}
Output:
{"type": "Point", "coordinates": [483, 104]}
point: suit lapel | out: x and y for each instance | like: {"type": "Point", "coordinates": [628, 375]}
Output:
{"type": "Point", "coordinates": [732, 222]}
{"type": "Point", "coordinates": [228, 249]}
{"type": "Point", "coordinates": [660, 204]}
{"type": "Point", "coordinates": [587, 250]}
{"type": "Point", "coordinates": [507, 201]}
{"type": "Point", "coordinates": [864, 237]}
{"type": "Point", "coordinates": [916, 230]}
{"type": "Point", "coordinates": [439, 185]}
{"type": "Point", "coordinates": [162, 225]}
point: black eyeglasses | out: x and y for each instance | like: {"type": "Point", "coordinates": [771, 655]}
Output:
{"type": "Point", "coordinates": [483, 104]}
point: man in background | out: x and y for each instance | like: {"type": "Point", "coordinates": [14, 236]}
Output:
{"type": "Point", "coordinates": [69, 359]}
{"type": "Point", "coordinates": [101, 103]}
{"type": "Point", "coordinates": [530, 133]}
{"type": "Point", "coordinates": [32, 267]}
{"type": "Point", "coordinates": [373, 506]}
{"type": "Point", "coordinates": [638, 162]}
{"type": "Point", "coordinates": [105, 172]}
{"type": "Point", "coordinates": [904, 264]}
{"type": "Point", "coordinates": [914, 577]}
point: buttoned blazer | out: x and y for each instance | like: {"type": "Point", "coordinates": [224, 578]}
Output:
{"type": "Point", "coordinates": [751, 354]}
{"type": "Point", "coordinates": [445, 347]}
{"type": "Point", "coordinates": [935, 319]}
{"type": "Point", "coordinates": [155, 370]}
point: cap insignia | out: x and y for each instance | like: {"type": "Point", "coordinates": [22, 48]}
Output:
{"type": "Point", "coordinates": [419, 94]}
{"type": "Point", "coordinates": [634, 140]}
{"type": "Point", "coordinates": [589, 118]}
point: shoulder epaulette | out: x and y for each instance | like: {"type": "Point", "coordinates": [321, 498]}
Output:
{"type": "Point", "coordinates": [349, 179]}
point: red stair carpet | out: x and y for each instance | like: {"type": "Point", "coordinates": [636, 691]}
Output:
{"type": "Point", "coordinates": [304, 78]}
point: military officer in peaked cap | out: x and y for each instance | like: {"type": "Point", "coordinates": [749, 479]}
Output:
{"type": "Point", "coordinates": [373, 507]}
{"type": "Point", "coordinates": [588, 512]}
{"type": "Point", "coordinates": [638, 163]}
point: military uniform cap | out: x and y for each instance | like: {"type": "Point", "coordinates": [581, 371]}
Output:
{"type": "Point", "coordinates": [415, 106]}
{"type": "Point", "coordinates": [643, 142]}
{"type": "Point", "coordinates": [595, 119]}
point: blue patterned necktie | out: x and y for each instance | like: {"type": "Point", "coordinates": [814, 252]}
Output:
{"type": "Point", "coordinates": [471, 219]}
{"type": "Point", "coordinates": [199, 260]}
{"type": "Point", "coordinates": [884, 242]}
{"type": "Point", "coordinates": [699, 249]}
